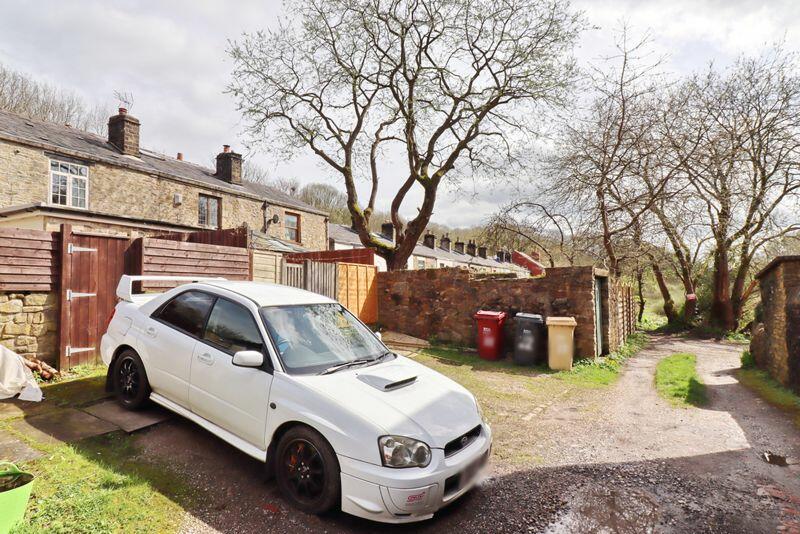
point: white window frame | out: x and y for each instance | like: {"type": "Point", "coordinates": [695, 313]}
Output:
{"type": "Point", "coordinates": [71, 177]}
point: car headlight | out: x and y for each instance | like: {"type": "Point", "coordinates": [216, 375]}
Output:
{"type": "Point", "coordinates": [399, 451]}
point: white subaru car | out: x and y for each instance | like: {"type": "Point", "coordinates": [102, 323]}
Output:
{"type": "Point", "coordinates": [293, 379]}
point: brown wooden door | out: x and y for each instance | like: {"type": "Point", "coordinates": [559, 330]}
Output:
{"type": "Point", "coordinates": [91, 266]}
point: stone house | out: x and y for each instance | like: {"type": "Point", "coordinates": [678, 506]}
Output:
{"type": "Point", "coordinates": [52, 174]}
{"type": "Point", "coordinates": [431, 253]}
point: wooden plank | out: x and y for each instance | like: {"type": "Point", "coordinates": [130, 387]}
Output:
{"type": "Point", "coordinates": [28, 269]}
{"type": "Point", "coordinates": [20, 233]}
{"type": "Point", "coordinates": [27, 278]}
{"type": "Point", "coordinates": [27, 244]}
{"type": "Point", "coordinates": [151, 252]}
{"type": "Point", "coordinates": [16, 252]}
{"type": "Point", "coordinates": [30, 262]}
{"type": "Point", "coordinates": [198, 247]}
{"type": "Point", "coordinates": [18, 286]}
{"type": "Point", "coordinates": [163, 260]}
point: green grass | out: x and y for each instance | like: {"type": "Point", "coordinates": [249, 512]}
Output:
{"type": "Point", "coordinates": [100, 485]}
{"type": "Point", "coordinates": [770, 390]}
{"type": "Point", "coordinates": [748, 361]}
{"type": "Point", "coordinates": [603, 371]}
{"type": "Point", "coordinates": [678, 382]}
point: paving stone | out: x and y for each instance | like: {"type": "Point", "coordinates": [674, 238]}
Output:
{"type": "Point", "coordinates": [64, 424]}
{"type": "Point", "coordinates": [13, 449]}
{"type": "Point", "coordinates": [128, 420]}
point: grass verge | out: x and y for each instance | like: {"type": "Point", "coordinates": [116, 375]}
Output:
{"type": "Point", "coordinates": [771, 391]}
{"type": "Point", "coordinates": [603, 371]}
{"type": "Point", "coordinates": [678, 382]}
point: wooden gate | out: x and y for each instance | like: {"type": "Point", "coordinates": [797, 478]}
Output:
{"type": "Point", "coordinates": [358, 290]}
{"type": "Point", "coordinates": [91, 266]}
{"type": "Point", "coordinates": [316, 276]}
{"type": "Point", "coordinates": [293, 274]}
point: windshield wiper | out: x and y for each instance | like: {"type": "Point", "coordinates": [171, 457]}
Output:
{"type": "Point", "coordinates": [353, 363]}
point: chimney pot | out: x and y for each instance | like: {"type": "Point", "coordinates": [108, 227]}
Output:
{"type": "Point", "coordinates": [226, 148]}
{"type": "Point", "coordinates": [180, 156]}
{"type": "Point", "coordinates": [123, 111]}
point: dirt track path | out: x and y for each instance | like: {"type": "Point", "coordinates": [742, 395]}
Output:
{"type": "Point", "coordinates": [610, 460]}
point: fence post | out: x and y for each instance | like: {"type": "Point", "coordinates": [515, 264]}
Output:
{"type": "Point", "coordinates": [65, 281]}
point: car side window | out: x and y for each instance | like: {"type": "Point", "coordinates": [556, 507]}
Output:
{"type": "Point", "coordinates": [187, 312]}
{"type": "Point", "coordinates": [232, 328]}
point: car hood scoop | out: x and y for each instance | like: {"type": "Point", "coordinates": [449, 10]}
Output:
{"type": "Point", "coordinates": [389, 378]}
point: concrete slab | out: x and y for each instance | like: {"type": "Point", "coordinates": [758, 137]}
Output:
{"type": "Point", "coordinates": [63, 424]}
{"type": "Point", "coordinates": [125, 419]}
{"type": "Point", "coordinates": [14, 408]}
{"type": "Point", "coordinates": [396, 340]}
{"type": "Point", "coordinates": [13, 449]}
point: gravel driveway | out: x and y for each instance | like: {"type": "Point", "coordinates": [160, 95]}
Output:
{"type": "Point", "coordinates": [619, 459]}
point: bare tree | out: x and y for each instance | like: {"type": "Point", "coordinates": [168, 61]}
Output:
{"type": "Point", "coordinates": [742, 127]}
{"type": "Point", "coordinates": [326, 197]}
{"type": "Point", "coordinates": [432, 88]}
{"type": "Point", "coordinates": [24, 95]}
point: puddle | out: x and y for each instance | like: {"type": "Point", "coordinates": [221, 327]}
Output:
{"type": "Point", "coordinates": [10, 482]}
{"type": "Point", "coordinates": [603, 510]}
{"type": "Point", "coordinates": [774, 459]}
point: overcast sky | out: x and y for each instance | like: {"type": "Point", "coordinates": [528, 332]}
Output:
{"type": "Point", "coordinates": [171, 56]}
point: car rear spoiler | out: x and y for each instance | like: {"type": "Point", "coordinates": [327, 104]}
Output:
{"type": "Point", "coordinates": [125, 286]}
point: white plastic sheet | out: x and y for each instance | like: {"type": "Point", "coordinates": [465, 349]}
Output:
{"type": "Point", "coordinates": [17, 378]}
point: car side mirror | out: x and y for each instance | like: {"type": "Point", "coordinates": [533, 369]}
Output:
{"type": "Point", "coordinates": [248, 358]}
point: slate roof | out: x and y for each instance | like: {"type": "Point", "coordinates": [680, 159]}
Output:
{"type": "Point", "coordinates": [69, 141]}
{"type": "Point", "coordinates": [344, 234]}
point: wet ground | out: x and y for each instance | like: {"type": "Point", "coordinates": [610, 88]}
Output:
{"type": "Point", "coordinates": [619, 459]}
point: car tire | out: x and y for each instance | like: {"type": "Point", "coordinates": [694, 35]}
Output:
{"type": "Point", "coordinates": [131, 387]}
{"type": "Point", "coordinates": [307, 471]}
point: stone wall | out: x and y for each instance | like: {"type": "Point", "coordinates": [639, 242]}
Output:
{"type": "Point", "coordinates": [126, 192]}
{"type": "Point", "coordinates": [29, 324]}
{"type": "Point", "coordinates": [439, 303]}
{"type": "Point", "coordinates": [776, 337]}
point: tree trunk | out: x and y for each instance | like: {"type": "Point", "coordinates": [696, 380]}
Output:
{"type": "Point", "coordinates": [669, 304]}
{"type": "Point", "coordinates": [722, 314]}
{"type": "Point", "coordinates": [640, 288]}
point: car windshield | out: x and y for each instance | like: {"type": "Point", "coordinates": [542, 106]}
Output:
{"type": "Point", "coordinates": [315, 337]}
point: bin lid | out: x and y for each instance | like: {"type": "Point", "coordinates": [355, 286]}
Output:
{"type": "Point", "coordinates": [485, 314]}
{"type": "Point", "coordinates": [561, 321]}
{"type": "Point", "coordinates": [532, 317]}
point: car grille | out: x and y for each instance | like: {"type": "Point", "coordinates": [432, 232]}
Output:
{"type": "Point", "coordinates": [460, 442]}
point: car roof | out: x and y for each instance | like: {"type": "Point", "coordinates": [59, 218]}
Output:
{"type": "Point", "coordinates": [265, 294]}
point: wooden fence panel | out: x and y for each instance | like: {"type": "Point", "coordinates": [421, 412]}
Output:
{"type": "Point", "coordinates": [321, 278]}
{"type": "Point", "coordinates": [29, 260]}
{"type": "Point", "coordinates": [229, 237]}
{"type": "Point", "coordinates": [176, 258]}
{"type": "Point", "coordinates": [293, 274]}
{"type": "Point", "coordinates": [266, 266]}
{"type": "Point", "coordinates": [358, 290]}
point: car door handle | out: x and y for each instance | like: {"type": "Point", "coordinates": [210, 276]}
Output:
{"type": "Point", "coordinates": [151, 331]}
{"type": "Point", "coordinates": [206, 358]}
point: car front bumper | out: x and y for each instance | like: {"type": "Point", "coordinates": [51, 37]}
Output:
{"type": "Point", "coordinates": [392, 495]}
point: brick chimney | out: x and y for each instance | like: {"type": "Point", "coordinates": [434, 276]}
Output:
{"type": "Point", "coordinates": [459, 246]}
{"type": "Point", "coordinates": [444, 243]}
{"type": "Point", "coordinates": [429, 240]}
{"type": "Point", "coordinates": [179, 157]}
{"type": "Point", "coordinates": [387, 231]}
{"type": "Point", "coordinates": [229, 166]}
{"type": "Point", "coordinates": [471, 248]}
{"type": "Point", "coordinates": [123, 132]}
{"type": "Point", "coordinates": [482, 252]}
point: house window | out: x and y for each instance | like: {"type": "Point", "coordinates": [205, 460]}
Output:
{"type": "Point", "coordinates": [69, 184]}
{"type": "Point", "coordinates": [292, 225]}
{"type": "Point", "coordinates": [208, 212]}
{"type": "Point", "coordinates": [420, 263]}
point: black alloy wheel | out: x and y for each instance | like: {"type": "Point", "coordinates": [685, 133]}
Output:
{"type": "Point", "coordinates": [130, 381]}
{"type": "Point", "coordinates": [307, 470]}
